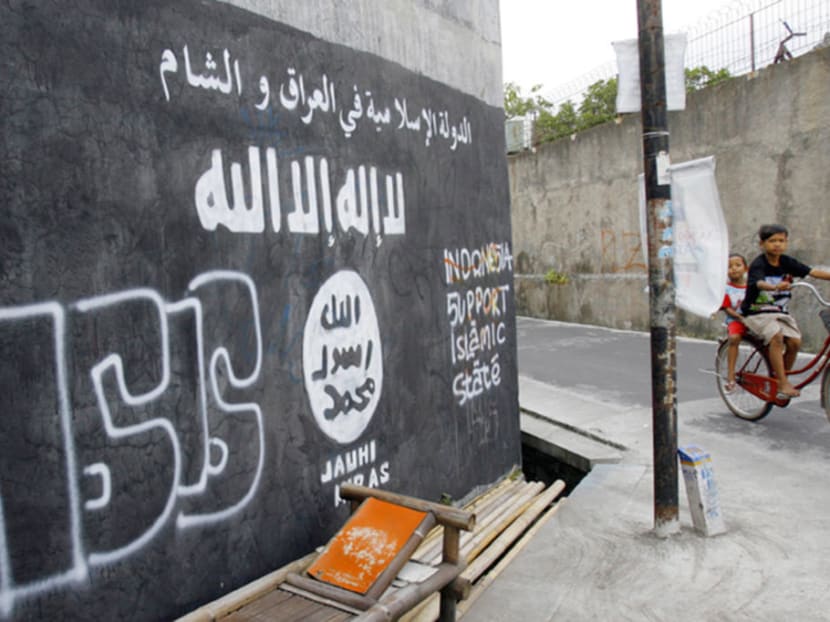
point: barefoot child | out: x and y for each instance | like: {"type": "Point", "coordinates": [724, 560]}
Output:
{"type": "Point", "coordinates": [767, 295]}
{"type": "Point", "coordinates": [735, 292]}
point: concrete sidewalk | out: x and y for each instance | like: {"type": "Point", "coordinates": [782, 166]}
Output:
{"type": "Point", "coordinates": [598, 557]}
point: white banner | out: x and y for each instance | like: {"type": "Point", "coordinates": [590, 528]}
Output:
{"type": "Point", "coordinates": [628, 68]}
{"type": "Point", "coordinates": [699, 236]}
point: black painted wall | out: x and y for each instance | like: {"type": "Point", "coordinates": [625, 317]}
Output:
{"type": "Point", "coordinates": [238, 267]}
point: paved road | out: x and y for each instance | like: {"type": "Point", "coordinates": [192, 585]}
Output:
{"type": "Point", "coordinates": [614, 366]}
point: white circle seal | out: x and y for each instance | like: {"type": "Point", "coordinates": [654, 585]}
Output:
{"type": "Point", "coordinates": [342, 358]}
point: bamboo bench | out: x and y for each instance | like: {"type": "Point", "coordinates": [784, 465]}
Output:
{"type": "Point", "coordinates": [289, 594]}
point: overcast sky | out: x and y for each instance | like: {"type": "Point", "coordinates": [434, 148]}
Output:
{"type": "Point", "coordinates": [552, 42]}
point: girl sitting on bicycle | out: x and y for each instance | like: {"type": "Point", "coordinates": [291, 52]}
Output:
{"type": "Point", "coordinates": [767, 296]}
{"type": "Point", "coordinates": [735, 329]}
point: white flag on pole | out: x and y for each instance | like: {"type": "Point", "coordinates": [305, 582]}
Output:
{"type": "Point", "coordinates": [700, 240]}
{"type": "Point", "coordinates": [628, 68]}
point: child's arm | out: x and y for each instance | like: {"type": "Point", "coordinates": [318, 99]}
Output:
{"type": "Point", "coordinates": [818, 273]}
{"type": "Point", "coordinates": [733, 314]}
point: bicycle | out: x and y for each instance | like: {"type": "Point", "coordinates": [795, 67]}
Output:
{"type": "Point", "coordinates": [756, 388]}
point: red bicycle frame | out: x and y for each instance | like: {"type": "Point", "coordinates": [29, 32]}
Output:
{"type": "Point", "coordinates": [766, 387]}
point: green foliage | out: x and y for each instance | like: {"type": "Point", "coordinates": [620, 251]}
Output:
{"type": "Point", "coordinates": [552, 277]}
{"type": "Point", "coordinates": [517, 105]}
{"type": "Point", "coordinates": [701, 77]}
{"type": "Point", "coordinates": [598, 105]}
{"type": "Point", "coordinates": [549, 126]}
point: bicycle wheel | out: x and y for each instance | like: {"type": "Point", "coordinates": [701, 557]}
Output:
{"type": "Point", "coordinates": [740, 402]}
{"type": "Point", "coordinates": [825, 392]}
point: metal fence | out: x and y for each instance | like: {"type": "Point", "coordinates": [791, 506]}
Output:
{"type": "Point", "coordinates": [743, 36]}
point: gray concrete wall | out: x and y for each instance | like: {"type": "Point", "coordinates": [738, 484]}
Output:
{"type": "Point", "coordinates": [574, 201]}
{"type": "Point", "coordinates": [466, 55]}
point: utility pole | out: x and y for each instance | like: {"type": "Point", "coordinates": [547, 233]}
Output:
{"type": "Point", "coordinates": [660, 265]}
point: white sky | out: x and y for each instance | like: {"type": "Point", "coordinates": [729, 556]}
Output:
{"type": "Point", "coordinates": [552, 42]}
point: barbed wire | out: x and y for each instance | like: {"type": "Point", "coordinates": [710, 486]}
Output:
{"type": "Point", "coordinates": [741, 37]}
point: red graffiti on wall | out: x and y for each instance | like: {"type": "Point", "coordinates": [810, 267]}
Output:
{"type": "Point", "coordinates": [621, 252]}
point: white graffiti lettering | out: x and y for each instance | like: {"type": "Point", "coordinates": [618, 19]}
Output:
{"type": "Point", "coordinates": [462, 264]}
{"type": "Point", "coordinates": [123, 410]}
{"type": "Point", "coordinates": [375, 477]}
{"type": "Point", "coordinates": [475, 340]}
{"type": "Point", "coordinates": [488, 302]}
{"type": "Point", "coordinates": [477, 317]}
{"type": "Point", "coordinates": [470, 383]}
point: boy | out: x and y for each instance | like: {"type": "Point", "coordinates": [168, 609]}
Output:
{"type": "Point", "coordinates": [767, 294]}
{"type": "Point", "coordinates": [735, 293]}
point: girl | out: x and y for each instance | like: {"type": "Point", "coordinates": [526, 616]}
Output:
{"type": "Point", "coordinates": [735, 292]}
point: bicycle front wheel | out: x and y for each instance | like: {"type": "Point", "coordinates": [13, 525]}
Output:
{"type": "Point", "coordinates": [739, 401]}
{"type": "Point", "coordinates": [825, 391]}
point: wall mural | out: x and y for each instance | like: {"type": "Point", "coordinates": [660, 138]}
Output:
{"type": "Point", "coordinates": [239, 266]}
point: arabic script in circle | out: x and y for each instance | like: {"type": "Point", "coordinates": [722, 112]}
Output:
{"type": "Point", "coordinates": [342, 358]}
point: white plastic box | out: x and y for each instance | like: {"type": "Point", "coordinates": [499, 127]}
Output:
{"type": "Point", "coordinates": [701, 490]}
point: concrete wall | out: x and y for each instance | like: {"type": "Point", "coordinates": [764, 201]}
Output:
{"type": "Point", "coordinates": [247, 253]}
{"type": "Point", "coordinates": [466, 55]}
{"type": "Point", "coordinates": [574, 202]}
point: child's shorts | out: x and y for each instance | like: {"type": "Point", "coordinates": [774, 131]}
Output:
{"type": "Point", "coordinates": [767, 325]}
{"type": "Point", "coordinates": [736, 328]}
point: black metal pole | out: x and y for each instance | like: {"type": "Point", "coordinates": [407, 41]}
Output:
{"type": "Point", "coordinates": [660, 265]}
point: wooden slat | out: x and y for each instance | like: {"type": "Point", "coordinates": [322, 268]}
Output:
{"type": "Point", "coordinates": [476, 506]}
{"type": "Point", "coordinates": [507, 539]}
{"type": "Point", "coordinates": [444, 514]}
{"type": "Point", "coordinates": [504, 514]}
{"type": "Point", "coordinates": [477, 544]}
{"type": "Point", "coordinates": [505, 561]}
{"type": "Point", "coordinates": [407, 597]}
{"type": "Point", "coordinates": [294, 608]}
{"type": "Point", "coordinates": [429, 553]}
{"type": "Point", "coordinates": [332, 592]}
{"type": "Point", "coordinates": [219, 608]}
{"type": "Point", "coordinates": [259, 606]}
{"type": "Point", "coordinates": [510, 540]}
{"type": "Point", "coordinates": [328, 614]}
{"type": "Point", "coordinates": [516, 496]}
{"type": "Point", "coordinates": [496, 518]}
{"type": "Point", "coordinates": [320, 599]}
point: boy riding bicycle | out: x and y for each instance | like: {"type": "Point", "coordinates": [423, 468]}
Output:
{"type": "Point", "coordinates": [767, 296]}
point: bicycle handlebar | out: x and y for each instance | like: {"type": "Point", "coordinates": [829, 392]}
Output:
{"type": "Point", "coordinates": [813, 289]}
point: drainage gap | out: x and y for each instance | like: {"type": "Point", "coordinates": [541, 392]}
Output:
{"type": "Point", "coordinates": [538, 466]}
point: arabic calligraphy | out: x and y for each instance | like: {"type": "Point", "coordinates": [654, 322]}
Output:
{"type": "Point", "coordinates": [342, 362]}
{"type": "Point", "coordinates": [308, 98]}
{"type": "Point", "coordinates": [356, 203]}
{"type": "Point", "coordinates": [208, 78]}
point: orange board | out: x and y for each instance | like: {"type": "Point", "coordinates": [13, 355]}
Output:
{"type": "Point", "coordinates": [366, 545]}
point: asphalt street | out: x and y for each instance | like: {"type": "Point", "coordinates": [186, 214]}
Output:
{"type": "Point", "coordinates": [613, 366]}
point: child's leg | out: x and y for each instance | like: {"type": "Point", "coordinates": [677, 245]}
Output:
{"type": "Point", "coordinates": [776, 359]}
{"type": "Point", "coordinates": [736, 331]}
{"type": "Point", "coordinates": [791, 345]}
{"type": "Point", "coordinates": [732, 357]}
